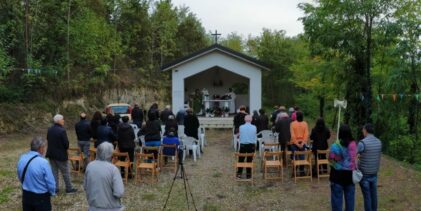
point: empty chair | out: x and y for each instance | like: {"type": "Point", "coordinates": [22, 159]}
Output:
{"type": "Point", "coordinates": [76, 159]}
{"type": "Point", "coordinates": [121, 159]}
{"type": "Point", "coordinates": [302, 158]}
{"type": "Point", "coordinates": [190, 143]}
{"type": "Point", "coordinates": [272, 160]}
{"type": "Point", "coordinates": [180, 131]}
{"type": "Point", "coordinates": [265, 136]}
{"type": "Point", "coordinates": [146, 163]}
{"type": "Point", "coordinates": [92, 154]}
{"type": "Point", "coordinates": [322, 163]}
{"type": "Point", "coordinates": [202, 135]}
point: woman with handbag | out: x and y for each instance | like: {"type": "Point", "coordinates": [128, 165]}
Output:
{"type": "Point", "coordinates": [342, 159]}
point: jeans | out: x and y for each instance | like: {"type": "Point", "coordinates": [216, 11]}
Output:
{"type": "Point", "coordinates": [63, 166]}
{"type": "Point", "coordinates": [368, 186]}
{"type": "Point", "coordinates": [84, 147]}
{"type": "Point", "coordinates": [337, 192]}
{"type": "Point", "coordinates": [153, 143]}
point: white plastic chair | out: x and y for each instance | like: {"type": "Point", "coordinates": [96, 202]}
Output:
{"type": "Point", "coordinates": [136, 130]}
{"type": "Point", "coordinates": [267, 136]}
{"type": "Point", "coordinates": [201, 132]}
{"type": "Point", "coordinates": [180, 131]}
{"type": "Point", "coordinates": [162, 130]}
{"type": "Point", "coordinates": [190, 143]}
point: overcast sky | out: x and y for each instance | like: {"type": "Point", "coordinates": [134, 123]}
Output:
{"type": "Point", "coordinates": [247, 16]}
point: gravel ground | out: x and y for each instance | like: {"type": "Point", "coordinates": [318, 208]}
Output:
{"type": "Point", "coordinates": [213, 186]}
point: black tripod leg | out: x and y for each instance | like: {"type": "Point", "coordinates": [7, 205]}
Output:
{"type": "Point", "coordinates": [186, 180]}
{"type": "Point", "coordinates": [185, 186]}
{"type": "Point", "coordinates": [172, 184]}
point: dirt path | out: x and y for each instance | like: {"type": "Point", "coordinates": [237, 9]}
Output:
{"type": "Point", "coordinates": [213, 186]}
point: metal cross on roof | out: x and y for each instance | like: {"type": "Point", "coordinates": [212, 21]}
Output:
{"type": "Point", "coordinates": [216, 36]}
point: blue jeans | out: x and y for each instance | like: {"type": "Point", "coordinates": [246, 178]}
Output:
{"type": "Point", "coordinates": [368, 186]}
{"type": "Point", "coordinates": [84, 147]}
{"type": "Point", "coordinates": [153, 143]}
{"type": "Point", "coordinates": [337, 192]}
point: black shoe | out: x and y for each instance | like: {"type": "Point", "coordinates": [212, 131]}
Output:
{"type": "Point", "coordinates": [71, 191]}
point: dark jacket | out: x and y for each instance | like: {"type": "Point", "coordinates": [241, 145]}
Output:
{"type": "Point", "coordinates": [165, 114]}
{"type": "Point", "coordinates": [320, 139]}
{"type": "Point", "coordinates": [238, 121]}
{"type": "Point", "coordinates": [264, 122]}
{"type": "Point", "coordinates": [171, 123]}
{"type": "Point", "coordinates": [58, 143]}
{"type": "Point", "coordinates": [126, 136]}
{"type": "Point", "coordinates": [83, 130]}
{"type": "Point", "coordinates": [137, 114]}
{"type": "Point", "coordinates": [94, 128]}
{"type": "Point", "coordinates": [152, 130]}
{"type": "Point", "coordinates": [191, 126]}
{"type": "Point", "coordinates": [283, 128]}
{"type": "Point", "coordinates": [105, 133]}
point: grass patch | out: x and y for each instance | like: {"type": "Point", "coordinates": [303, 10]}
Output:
{"type": "Point", "coordinates": [4, 194]}
{"type": "Point", "coordinates": [149, 196]}
{"type": "Point", "coordinates": [5, 173]}
{"type": "Point", "coordinates": [210, 207]}
{"type": "Point", "coordinates": [217, 174]}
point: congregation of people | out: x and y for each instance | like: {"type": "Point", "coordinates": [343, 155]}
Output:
{"type": "Point", "coordinates": [345, 156]}
{"type": "Point", "coordinates": [103, 181]}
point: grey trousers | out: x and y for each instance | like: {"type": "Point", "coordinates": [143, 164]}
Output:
{"type": "Point", "coordinates": [63, 166]}
{"type": "Point", "coordinates": [84, 147]}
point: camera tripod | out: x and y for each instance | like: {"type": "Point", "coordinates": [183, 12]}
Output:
{"type": "Point", "coordinates": [180, 168]}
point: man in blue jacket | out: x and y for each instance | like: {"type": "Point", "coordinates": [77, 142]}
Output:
{"type": "Point", "coordinates": [34, 172]}
{"type": "Point", "coordinates": [58, 144]}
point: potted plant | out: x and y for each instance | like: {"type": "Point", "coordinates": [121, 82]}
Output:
{"type": "Point", "coordinates": [209, 111]}
{"type": "Point", "coordinates": [226, 111]}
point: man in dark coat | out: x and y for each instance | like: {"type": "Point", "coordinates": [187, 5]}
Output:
{"type": "Point", "coordinates": [83, 133]}
{"type": "Point", "coordinates": [165, 114]}
{"type": "Point", "coordinates": [58, 143]}
{"type": "Point", "coordinates": [282, 126]}
{"type": "Point", "coordinates": [126, 138]}
{"type": "Point", "coordinates": [137, 115]}
{"type": "Point", "coordinates": [105, 133]}
{"type": "Point", "coordinates": [191, 124]}
{"type": "Point", "coordinates": [239, 119]}
{"type": "Point", "coordinates": [263, 120]}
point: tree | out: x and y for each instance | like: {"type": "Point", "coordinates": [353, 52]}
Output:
{"type": "Point", "coordinates": [348, 26]}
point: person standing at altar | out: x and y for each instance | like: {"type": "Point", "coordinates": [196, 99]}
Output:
{"type": "Point", "coordinates": [239, 119]}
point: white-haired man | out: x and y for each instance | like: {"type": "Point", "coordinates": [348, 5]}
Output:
{"type": "Point", "coordinates": [103, 184]}
{"type": "Point", "coordinates": [37, 180]}
{"type": "Point", "coordinates": [58, 144]}
{"type": "Point", "coordinates": [248, 140]}
{"type": "Point", "coordinates": [165, 114]}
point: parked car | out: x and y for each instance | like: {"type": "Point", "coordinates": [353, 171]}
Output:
{"type": "Point", "coordinates": [121, 109]}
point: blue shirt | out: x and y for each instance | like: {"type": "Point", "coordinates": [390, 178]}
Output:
{"type": "Point", "coordinates": [248, 133]}
{"type": "Point", "coordinates": [39, 177]}
{"type": "Point", "coordinates": [170, 140]}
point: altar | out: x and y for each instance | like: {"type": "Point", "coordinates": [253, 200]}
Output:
{"type": "Point", "coordinates": [222, 104]}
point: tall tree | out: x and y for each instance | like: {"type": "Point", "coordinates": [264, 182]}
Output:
{"type": "Point", "coordinates": [348, 26]}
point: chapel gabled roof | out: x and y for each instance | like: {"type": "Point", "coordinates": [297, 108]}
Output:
{"type": "Point", "coordinates": [213, 48]}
